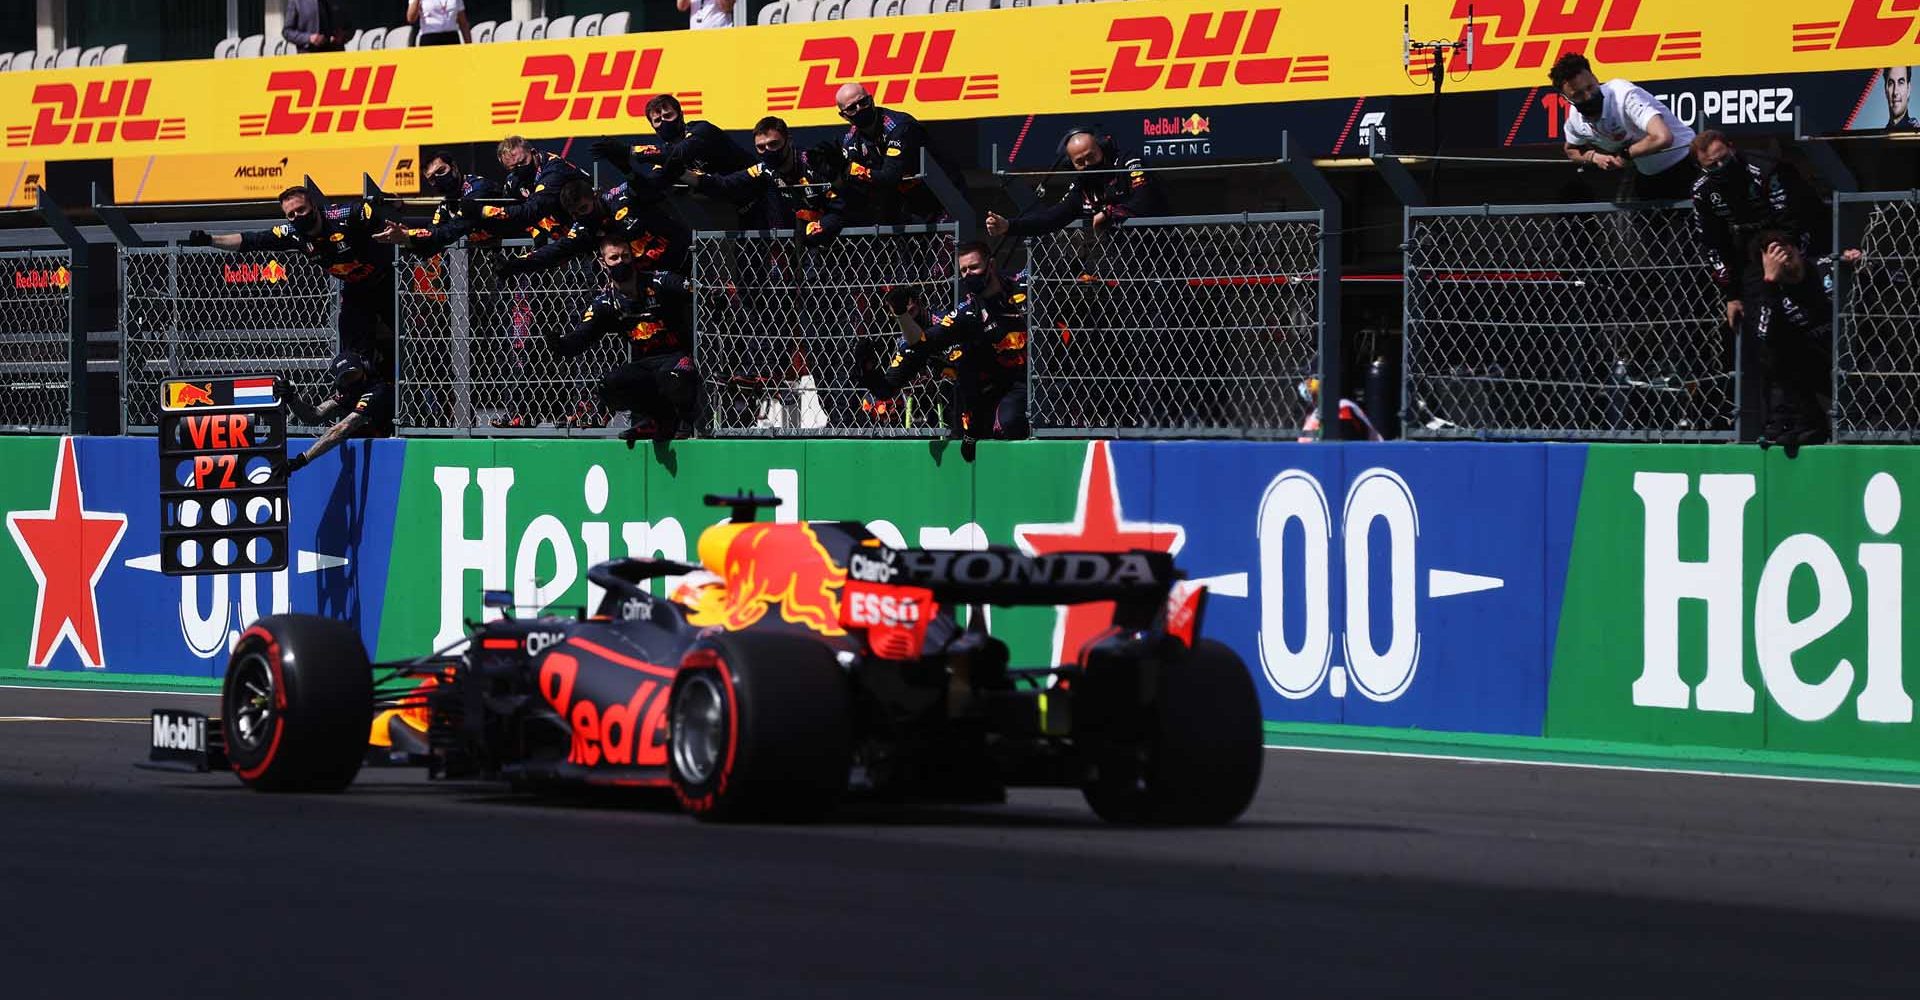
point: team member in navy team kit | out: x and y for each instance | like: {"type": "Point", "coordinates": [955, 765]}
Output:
{"type": "Point", "coordinates": [683, 145]}
{"type": "Point", "coordinates": [881, 182]}
{"type": "Point", "coordinates": [787, 188]}
{"type": "Point", "coordinates": [360, 392]}
{"type": "Point", "coordinates": [983, 337]}
{"type": "Point", "coordinates": [1793, 321]}
{"type": "Point", "coordinates": [653, 311]}
{"type": "Point", "coordinates": [1619, 126]}
{"type": "Point", "coordinates": [633, 211]}
{"type": "Point", "coordinates": [535, 178]}
{"type": "Point", "coordinates": [449, 223]}
{"type": "Point", "coordinates": [1122, 190]}
{"type": "Point", "coordinates": [341, 240]}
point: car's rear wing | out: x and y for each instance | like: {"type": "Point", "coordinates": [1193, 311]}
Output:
{"type": "Point", "coordinates": [1007, 576]}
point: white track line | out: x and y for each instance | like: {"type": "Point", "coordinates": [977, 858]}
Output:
{"type": "Point", "coordinates": [1805, 779]}
{"type": "Point", "coordinates": [95, 690]}
{"type": "Point", "coordinates": [54, 718]}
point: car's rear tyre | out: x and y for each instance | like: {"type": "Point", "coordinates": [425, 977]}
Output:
{"type": "Point", "coordinates": [1181, 747]}
{"type": "Point", "coordinates": [760, 728]}
{"type": "Point", "coordinates": [296, 704]}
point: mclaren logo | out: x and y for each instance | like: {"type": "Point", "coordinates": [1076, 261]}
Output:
{"type": "Point", "coordinates": [262, 170]}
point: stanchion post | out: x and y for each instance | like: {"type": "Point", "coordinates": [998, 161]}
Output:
{"type": "Point", "coordinates": [1332, 376]}
{"type": "Point", "coordinates": [79, 289]}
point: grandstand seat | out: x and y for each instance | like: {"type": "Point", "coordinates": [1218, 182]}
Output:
{"type": "Point", "coordinates": [374, 39]}
{"type": "Point", "coordinates": [508, 31]}
{"type": "Point", "coordinates": [483, 32]}
{"type": "Point", "coordinates": [772, 13]}
{"type": "Point", "coordinates": [888, 8]}
{"type": "Point", "coordinates": [976, 5]}
{"type": "Point", "coordinates": [800, 11]}
{"type": "Point", "coordinates": [917, 7]}
{"type": "Point", "coordinates": [252, 45]}
{"type": "Point", "coordinates": [227, 49]}
{"type": "Point", "coordinates": [67, 58]}
{"type": "Point", "coordinates": [357, 41]}
{"type": "Point", "coordinates": [280, 47]}
{"type": "Point", "coordinates": [90, 56]}
{"type": "Point", "coordinates": [615, 23]}
{"type": "Point", "coordinates": [561, 27]}
{"type": "Point", "coordinates": [534, 29]}
{"type": "Point", "coordinates": [400, 37]}
{"type": "Point", "coordinates": [115, 54]}
{"type": "Point", "coordinates": [22, 61]}
{"type": "Point", "coordinates": [829, 10]}
{"type": "Point", "coordinates": [588, 26]}
{"type": "Point", "coordinates": [6, 61]}
{"type": "Point", "coordinates": [857, 9]}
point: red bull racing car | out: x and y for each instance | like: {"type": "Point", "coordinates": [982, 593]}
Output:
{"type": "Point", "coordinates": [800, 662]}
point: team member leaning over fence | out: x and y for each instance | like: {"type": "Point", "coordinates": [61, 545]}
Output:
{"type": "Point", "coordinates": [1738, 195]}
{"type": "Point", "coordinates": [653, 311]}
{"type": "Point", "coordinates": [1793, 321]}
{"type": "Point", "coordinates": [360, 392]}
{"type": "Point", "coordinates": [681, 145]}
{"type": "Point", "coordinates": [634, 211]}
{"type": "Point", "coordinates": [786, 188]}
{"type": "Point", "coordinates": [1617, 125]}
{"type": "Point", "coordinates": [881, 183]}
{"type": "Point", "coordinates": [983, 339]}
{"type": "Point", "coordinates": [535, 178]}
{"type": "Point", "coordinates": [341, 240]}
{"type": "Point", "coordinates": [1121, 190]}
{"type": "Point", "coordinates": [449, 223]}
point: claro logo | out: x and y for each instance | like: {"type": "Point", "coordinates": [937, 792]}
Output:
{"type": "Point", "coordinates": [1531, 34]}
{"type": "Point", "coordinates": [1207, 50]}
{"type": "Point", "coordinates": [892, 66]}
{"type": "Point", "coordinates": [1868, 26]}
{"type": "Point", "coordinates": [596, 86]}
{"type": "Point", "coordinates": [105, 111]}
{"type": "Point", "coordinates": [341, 101]}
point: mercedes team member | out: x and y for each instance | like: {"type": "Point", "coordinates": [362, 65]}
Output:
{"type": "Point", "coordinates": [984, 336]}
{"type": "Point", "coordinates": [1736, 196]}
{"type": "Point", "coordinates": [1617, 124]}
{"type": "Point", "coordinates": [1793, 320]}
{"type": "Point", "coordinates": [787, 188]}
{"type": "Point", "coordinates": [654, 312]}
{"type": "Point", "coordinates": [1124, 191]}
{"type": "Point", "coordinates": [360, 391]}
{"type": "Point", "coordinates": [341, 240]}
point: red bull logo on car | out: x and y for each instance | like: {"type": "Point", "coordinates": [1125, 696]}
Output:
{"type": "Point", "coordinates": [781, 566]}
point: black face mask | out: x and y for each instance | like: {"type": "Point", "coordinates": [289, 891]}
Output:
{"type": "Point", "coordinates": [975, 284]}
{"type": "Point", "coordinates": [310, 223]}
{"type": "Point", "coordinates": [672, 131]}
{"type": "Point", "coordinates": [447, 185]}
{"type": "Point", "coordinates": [1592, 107]}
{"type": "Point", "coordinates": [1719, 169]}
{"type": "Point", "coordinates": [867, 118]}
{"type": "Point", "coordinates": [774, 159]}
{"type": "Point", "coordinates": [621, 273]}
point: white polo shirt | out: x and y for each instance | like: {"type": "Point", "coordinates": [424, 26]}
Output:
{"type": "Point", "coordinates": [440, 16]}
{"type": "Point", "coordinates": [1624, 121]}
{"type": "Point", "coordinates": [707, 14]}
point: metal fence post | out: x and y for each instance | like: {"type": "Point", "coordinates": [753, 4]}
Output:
{"type": "Point", "coordinates": [80, 287]}
{"type": "Point", "coordinates": [951, 197]}
{"type": "Point", "coordinates": [1332, 356]}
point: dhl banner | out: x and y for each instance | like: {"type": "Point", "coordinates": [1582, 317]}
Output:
{"type": "Point", "coordinates": [260, 176]}
{"type": "Point", "coordinates": [20, 181]}
{"type": "Point", "coordinates": [1066, 59]}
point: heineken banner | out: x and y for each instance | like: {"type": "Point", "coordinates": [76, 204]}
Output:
{"type": "Point", "coordinates": [1710, 596]}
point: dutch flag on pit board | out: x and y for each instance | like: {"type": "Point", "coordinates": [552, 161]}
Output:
{"type": "Point", "coordinates": [252, 390]}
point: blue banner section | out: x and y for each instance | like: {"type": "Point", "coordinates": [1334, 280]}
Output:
{"type": "Point", "coordinates": [1381, 585]}
{"type": "Point", "coordinates": [342, 531]}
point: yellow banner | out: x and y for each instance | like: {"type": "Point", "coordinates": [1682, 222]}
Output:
{"type": "Point", "coordinates": [244, 177]}
{"type": "Point", "coordinates": [1040, 60]}
{"type": "Point", "coordinates": [21, 182]}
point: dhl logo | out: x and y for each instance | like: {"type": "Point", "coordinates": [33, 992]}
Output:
{"type": "Point", "coordinates": [272, 272]}
{"type": "Point", "coordinates": [1155, 53]}
{"type": "Point", "coordinates": [598, 85]}
{"type": "Point", "coordinates": [59, 277]}
{"type": "Point", "coordinates": [344, 100]}
{"type": "Point", "coordinates": [892, 66]}
{"type": "Point", "coordinates": [104, 111]}
{"type": "Point", "coordinates": [1867, 26]}
{"type": "Point", "coordinates": [1531, 34]}
{"type": "Point", "coordinates": [1161, 128]}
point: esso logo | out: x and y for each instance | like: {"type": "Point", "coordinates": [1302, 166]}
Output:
{"type": "Point", "coordinates": [1380, 666]}
{"type": "Point", "coordinates": [870, 609]}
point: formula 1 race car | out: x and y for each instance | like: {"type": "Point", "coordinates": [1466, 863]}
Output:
{"type": "Point", "coordinates": [799, 662]}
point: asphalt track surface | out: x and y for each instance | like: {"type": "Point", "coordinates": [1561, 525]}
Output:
{"type": "Point", "coordinates": [1351, 876]}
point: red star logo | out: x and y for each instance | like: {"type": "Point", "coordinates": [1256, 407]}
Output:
{"type": "Point", "coordinates": [1098, 526]}
{"type": "Point", "coordinates": [67, 547]}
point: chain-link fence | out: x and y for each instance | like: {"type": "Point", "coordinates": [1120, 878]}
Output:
{"type": "Point", "coordinates": [187, 312]}
{"type": "Point", "coordinates": [1563, 321]}
{"type": "Point", "coordinates": [1876, 386]}
{"type": "Point", "coordinates": [36, 302]}
{"type": "Point", "coordinates": [1191, 325]}
{"type": "Point", "coordinates": [473, 353]}
{"type": "Point", "coordinates": [782, 330]}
